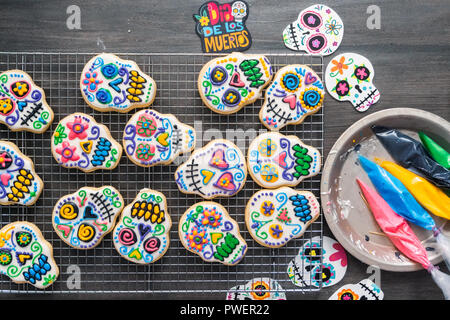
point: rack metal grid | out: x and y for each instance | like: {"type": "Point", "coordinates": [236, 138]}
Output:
{"type": "Point", "coordinates": [179, 273]}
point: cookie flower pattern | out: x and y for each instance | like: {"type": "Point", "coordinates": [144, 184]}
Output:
{"type": "Point", "coordinates": [90, 81]}
{"type": "Point", "coordinates": [67, 152]}
{"type": "Point", "coordinates": [145, 151]}
{"type": "Point", "coordinates": [77, 129]}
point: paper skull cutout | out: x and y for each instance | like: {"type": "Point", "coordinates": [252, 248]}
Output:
{"type": "Point", "coordinates": [304, 270]}
{"type": "Point", "coordinates": [25, 256]}
{"type": "Point", "coordinates": [274, 217]}
{"type": "Point", "coordinates": [295, 93]}
{"type": "Point", "coordinates": [142, 234]}
{"type": "Point", "coordinates": [216, 170]}
{"type": "Point", "coordinates": [239, 10]}
{"type": "Point", "coordinates": [109, 83]}
{"type": "Point", "coordinates": [83, 218]}
{"type": "Point", "coordinates": [80, 142]}
{"type": "Point", "coordinates": [19, 183]}
{"type": "Point", "coordinates": [317, 30]}
{"type": "Point", "coordinates": [349, 77]}
{"type": "Point", "coordinates": [257, 289]}
{"type": "Point", "coordinates": [363, 290]}
{"type": "Point", "coordinates": [152, 138]}
{"type": "Point", "coordinates": [207, 230]}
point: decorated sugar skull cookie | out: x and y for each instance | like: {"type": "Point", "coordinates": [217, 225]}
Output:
{"type": "Point", "coordinates": [80, 142]}
{"type": "Point", "coordinates": [83, 218]}
{"type": "Point", "coordinates": [109, 83]}
{"type": "Point", "coordinates": [273, 217]}
{"type": "Point", "coordinates": [349, 77]}
{"type": "Point", "coordinates": [19, 182]}
{"type": "Point", "coordinates": [295, 93]}
{"type": "Point", "coordinates": [22, 103]}
{"type": "Point", "coordinates": [275, 160]}
{"type": "Point", "coordinates": [226, 84]}
{"type": "Point", "coordinates": [257, 289]}
{"type": "Point", "coordinates": [25, 256]}
{"type": "Point", "coordinates": [305, 269]}
{"type": "Point", "coordinates": [142, 233]}
{"type": "Point", "coordinates": [216, 170]}
{"type": "Point", "coordinates": [363, 290]}
{"type": "Point", "coordinates": [152, 138]}
{"type": "Point", "coordinates": [317, 30]}
{"type": "Point", "coordinates": [207, 230]}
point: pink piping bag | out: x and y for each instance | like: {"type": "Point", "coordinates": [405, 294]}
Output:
{"type": "Point", "coordinates": [402, 236]}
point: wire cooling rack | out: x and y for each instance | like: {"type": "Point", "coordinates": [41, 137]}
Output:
{"type": "Point", "coordinates": [179, 273]}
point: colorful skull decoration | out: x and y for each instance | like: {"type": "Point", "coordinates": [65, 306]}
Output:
{"type": "Point", "coordinates": [274, 217]}
{"type": "Point", "coordinates": [25, 256]}
{"type": "Point", "coordinates": [80, 142]}
{"type": "Point", "coordinates": [83, 218]}
{"type": "Point", "coordinates": [349, 77]}
{"type": "Point", "coordinates": [228, 83]}
{"type": "Point", "coordinates": [207, 230]}
{"type": "Point", "coordinates": [363, 290]}
{"type": "Point", "coordinates": [142, 233]}
{"type": "Point", "coordinates": [22, 103]}
{"type": "Point", "coordinates": [109, 83]}
{"type": "Point", "coordinates": [216, 170]}
{"type": "Point", "coordinates": [305, 269]}
{"type": "Point", "coordinates": [275, 160]}
{"type": "Point", "coordinates": [239, 10]}
{"type": "Point", "coordinates": [257, 289]}
{"type": "Point", "coordinates": [317, 30]}
{"type": "Point", "coordinates": [19, 183]}
{"type": "Point", "coordinates": [152, 138]}
{"type": "Point", "coordinates": [295, 93]}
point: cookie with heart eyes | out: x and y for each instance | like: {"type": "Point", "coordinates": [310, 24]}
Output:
{"type": "Point", "coordinates": [295, 93]}
{"type": "Point", "coordinates": [19, 182]}
{"type": "Point", "coordinates": [22, 103]}
{"type": "Point", "coordinates": [152, 138]}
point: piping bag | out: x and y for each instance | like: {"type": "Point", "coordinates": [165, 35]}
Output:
{"type": "Point", "coordinates": [404, 204]}
{"type": "Point", "coordinates": [411, 154]}
{"type": "Point", "coordinates": [436, 151]}
{"type": "Point", "coordinates": [402, 236]}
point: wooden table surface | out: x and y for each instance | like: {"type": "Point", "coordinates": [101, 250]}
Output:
{"type": "Point", "coordinates": [410, 54]}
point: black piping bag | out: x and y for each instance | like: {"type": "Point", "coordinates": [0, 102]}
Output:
{"type": "Point", "coordinates": [411, 154]}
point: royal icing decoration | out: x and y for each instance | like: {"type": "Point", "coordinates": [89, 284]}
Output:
{"type": "Point", "coordinates": [317, 30]}
{"type": "Point", "coordinates": [83, 218]}
{"type": "Point", "coordinates": [207, 230]}
{"type": "Point", "coordinates": [25, 256]}
{"type": "Point", "coordinates": [349, 77]}
{"type": "Point", "coordinates": [363, 290]}
{"type": "Point", "coordinates": [228, 83]}
{"type": "Point", "coordinates": [257, 289]}
{"type": "Point", "coordinates": [318, 265]}
{"type": "Point", "coordinates": [80, 142]}
{"type": "Point", "coordinates": [295, 93]}
{"type": "Point", "coordinates": [216, 170]}
{"type": "Point", "coordinates": [152, 138]}
{"type": "Point", "coordinates": [109, 83]}
{"type": "Point", "coordinates": [275, 160]}
{"type": "Point", "coordinates": [221, 27]}
{"type": "Point", "coordinates": [22, 103]}
{"type": "Point", "coordinates": [19, 183]}
{"type": "Point", "coordinates": [142, 233]}
{"type": "Point", "coordinates": [274, 217]}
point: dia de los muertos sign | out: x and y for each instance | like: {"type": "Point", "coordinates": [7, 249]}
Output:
{"type": "Point", "coordinates": [221, 27]}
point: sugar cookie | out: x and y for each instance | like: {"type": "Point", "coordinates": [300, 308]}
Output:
{"type": "Point", "coordinates": [22, 103]}
{"type": "Point", "coordinates": [275, 160]}
{"type": "Point", "coordinates": [257, 289]}
{"type": "Point", "coordinates": [25, 256]}
{"type": "Point", "coordinates": [142, 233]}
{"type": "Point", "coordinates": [226, 84]}
{"type": "Point", "coordinates": [152, 138]}
{"type": "Point", "coordinates": [295, 93]}
{"type": "Point", "coordinates": [207, 230]}
{"type": "Point", "coordinates": [19, 182]}
{"type": "Point", "coordinates": [363, 290]}
{"type": "Point", "coordinates": [83, 218]}
{"type": "Point", "coordinates": [80, 142]}
{"type": "Point", "coordinates": [109, 83]}
{"type": "Point", "coordinates": [216, 170]}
